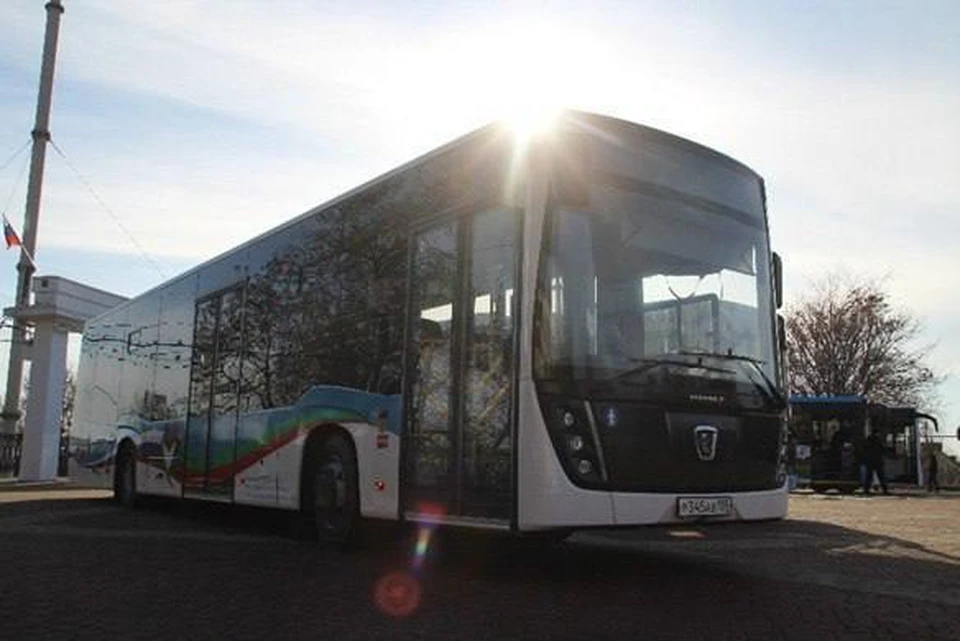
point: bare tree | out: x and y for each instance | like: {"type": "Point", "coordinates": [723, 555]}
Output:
{"type": "Point", "coordinates": [69, 400]}
{"type": "Point", "coordinates": [845, 337]}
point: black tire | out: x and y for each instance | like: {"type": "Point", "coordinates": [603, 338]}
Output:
{"type": "Point", "coordinates": [331, 493]}
{"type": "Point", "coordinates": [125, 477]}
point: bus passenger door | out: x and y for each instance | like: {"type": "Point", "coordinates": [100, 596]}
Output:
{"type": "Point", "coordinates": [459, 434]}
{"type": "Point", "coordinates": [201, 387]}
{"type": "Point", "coordinates": [223, 409]}
{"type": "Point", "coordinates": [429, 437]}
{"type": "Point", "coordinates": [214, 385]}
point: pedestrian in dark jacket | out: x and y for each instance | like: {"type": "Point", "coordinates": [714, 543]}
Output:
{"type": "Point", "coordinates": [873, 457]}
{"type": "Point", "coordinates": [933, 485]}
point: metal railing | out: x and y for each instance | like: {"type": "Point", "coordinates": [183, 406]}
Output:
{"type": "Point", "coordinates": [10, 447]}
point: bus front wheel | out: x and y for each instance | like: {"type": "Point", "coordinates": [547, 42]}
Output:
{"type": "Point", "coordinates": [332, 503]}
{"type": "Point", "coordinates": [125, 478]}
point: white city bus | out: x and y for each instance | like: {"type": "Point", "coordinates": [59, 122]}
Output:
{"type": "Point", "coordinates": [568, 331]}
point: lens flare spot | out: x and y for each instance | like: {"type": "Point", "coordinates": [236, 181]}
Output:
{"type": "Point", "coordinates": [421, 548]}
{"type": "Point", "coordinates": [423, 542]}
{"type": "Point", "coordinates": [397, 594]}
{"type": "Point", "coordinates": [430, 515]}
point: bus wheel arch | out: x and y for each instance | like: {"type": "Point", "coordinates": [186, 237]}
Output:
{"type": "Point", "coordinates": [329, 487]}
{"type": "Point", "coordinates": [125, 474]}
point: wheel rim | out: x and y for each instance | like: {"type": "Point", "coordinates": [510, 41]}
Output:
{"type": "Point", "coordinates": [330, 498]}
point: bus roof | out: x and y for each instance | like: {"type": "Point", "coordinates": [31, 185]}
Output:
{"type": "Point", "coordinates": [586, 121]}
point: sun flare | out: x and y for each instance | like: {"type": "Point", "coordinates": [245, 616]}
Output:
{"type": "Point", "coordinates": [528, 121]}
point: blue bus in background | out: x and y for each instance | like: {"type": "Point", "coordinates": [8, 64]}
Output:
{"type": "Point", "coordinates": [827, 436]}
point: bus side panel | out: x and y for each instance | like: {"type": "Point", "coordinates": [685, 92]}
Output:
{"type": "Point", "coordinates": [268, 452]}
{"type": "Point", "coordinates": [256, 474]}
{"type": "Point", "coordinates": [289, 465]}
{"type": "Point", "coordinates": [88, 476]}
{"type": "Point", "coordinates": [99, 407]}
{"type": "Point", "coordinates": [160, 451]}
{"type": "Point", "coordinates": [93, 464]}
{"type": "Point", "coordinates": [257, 484]}
{"type": "Point", "coordinates": [91, 446]}
{"type": "Point", "coordinates": [378, 459]}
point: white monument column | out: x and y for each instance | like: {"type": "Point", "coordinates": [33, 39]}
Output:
{"type": "Point", "coordinates": [48, 375]}
{"type": "Point", "coordinates": [59, 306]}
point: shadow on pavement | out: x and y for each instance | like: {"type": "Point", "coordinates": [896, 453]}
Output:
{"type": "Point", "coordinates": [239, 573]}
{"type": "Point", "coordinates": [792, 549]}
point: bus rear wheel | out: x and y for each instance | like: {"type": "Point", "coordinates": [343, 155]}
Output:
{"type": "Point", "coordinates": [125, 477]}
{"type": "Point", "coordinates": [332, 503]}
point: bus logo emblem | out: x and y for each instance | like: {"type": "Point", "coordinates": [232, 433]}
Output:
{"type": "Point", "coordinates": [705, 440]}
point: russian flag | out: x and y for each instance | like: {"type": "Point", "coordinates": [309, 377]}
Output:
{"type": "Point", "coordinates": [10, 234]}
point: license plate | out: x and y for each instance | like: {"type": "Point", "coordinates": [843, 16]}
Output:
{"type": "Point", "coordinates": [691, 506]}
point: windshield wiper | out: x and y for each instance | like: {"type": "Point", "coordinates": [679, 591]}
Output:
{"type": "Point", "coordinates": [772, 392]}
{"type": "Point", "coordinates": [649, 363]}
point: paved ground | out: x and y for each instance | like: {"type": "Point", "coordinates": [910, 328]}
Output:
{"type": "Point", "coordinates": [73, 566]}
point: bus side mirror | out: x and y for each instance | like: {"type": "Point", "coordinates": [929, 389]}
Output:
{"type": "Point", "coordinates": [778, 279]}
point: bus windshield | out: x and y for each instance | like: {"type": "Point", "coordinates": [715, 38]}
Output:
{"type": "Point", "coordinates": [635, 287]}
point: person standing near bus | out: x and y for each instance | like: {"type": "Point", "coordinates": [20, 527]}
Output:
{"type": "Point", "coordinates": [791, 461]}
{"type": "Point", "coordinates": [873, 457]}
{"type": "Point", "coordinates": [933, 485]}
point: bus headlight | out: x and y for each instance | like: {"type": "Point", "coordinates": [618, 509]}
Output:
{"type": "Point", "coordinates": [570, 429]}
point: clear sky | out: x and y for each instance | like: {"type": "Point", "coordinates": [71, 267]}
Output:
{"type": "Point", "coordinates": [201, 123]}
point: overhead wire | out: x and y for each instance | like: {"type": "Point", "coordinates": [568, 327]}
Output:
{"type": "Point", "coordinates": [109, 211]}
{"type": "Point", "coordinates": [3, 211]}
{"type": "Point", "coordinates": [15, 154]}
{"type": "Point", "coordinates": [14, 186]}
{"type": "Point", "coordinates": [4, 321]}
